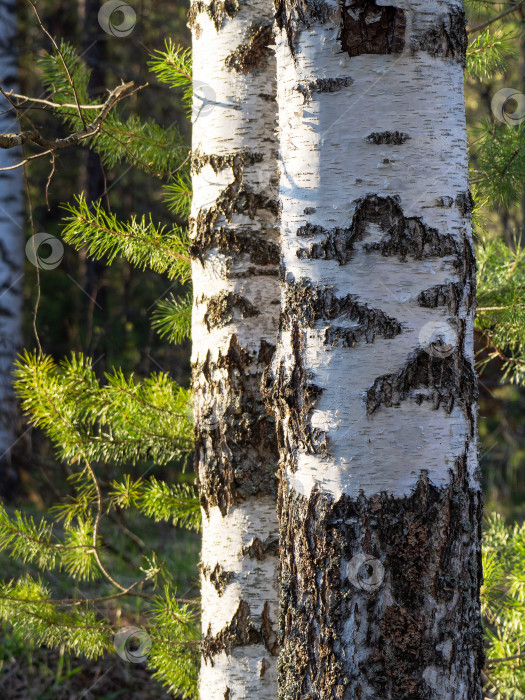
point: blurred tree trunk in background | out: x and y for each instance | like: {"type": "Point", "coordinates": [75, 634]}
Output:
{"type": "Point", "coordinates": [92, 180]}
{"type": "Point", "coordinates": [373, 380]}
{"type": "Point", "coordinates": [11, 247]}
{"type": "Point", "coordinates": [234, 243]}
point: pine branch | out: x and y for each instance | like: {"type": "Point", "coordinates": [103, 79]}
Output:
{"type": "Point", "coordinates": [142, 243]}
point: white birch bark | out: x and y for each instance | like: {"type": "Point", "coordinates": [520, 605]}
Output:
{"type": "Point", "coordinates": [373, 375]}
{"type": "Point", "coordinates": [11, 244]}
{"type": "Point", "coordinates": [234, 239]}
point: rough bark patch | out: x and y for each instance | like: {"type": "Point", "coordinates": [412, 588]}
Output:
{"type": "Point", "coordinates": [221, 309]}
{"type": "Point", "coordinates": [218, 162]}
{"type": "Point", "coordinates": [446, 381]}
{"type": "Point", "coordinates": [307, 303]}
{"type": "Point", "coordinates": [234, 430]}
{"type": "Point", "coordinates": [217, 11]}
{"type": "Point", "coordinates": [217, 577]}
{"type": "Point", "coordinates": [257, 549]}
{"type": "Point", "coordinates": [253, 53]}
{"type": "Point", "coordinates": [235, 242]}
{"type": "Point", "coordinates": [323, 85]}
{"type": "Point", "coordinates": [290, 391]}
{"type": "Point", "coordinates": [241, 631]}
{"type": "Point", "coordinates": [294, 15]}
{"type": "Point", "coordinates": [368, 28]}
{"type": "Point", "coordinates": [342, 641]}
{"type": "Point", "coordinates": [406, 236]}
{"type": "Point", "coordinates": [447, 39]}
{"type": "Point", "coordinates": [448, 295]}
{"type": "Point", "coordinates": [465, 203]}
{"type": "Point", "coordinates": [393, 138]}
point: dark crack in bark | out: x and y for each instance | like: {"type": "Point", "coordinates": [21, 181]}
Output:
{"type": "Point", "coordinates": [254, 52]}
{"type": "Point", "coordinates": [234, 430]}
{"type": "Point", "coordinates": [340, 641]}
{"type": "Point", "coordinates": [446, 39]}
{"type": "Point", "coordinates": [369, 28]}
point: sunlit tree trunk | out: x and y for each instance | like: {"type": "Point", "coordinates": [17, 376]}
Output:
{"type": "Point", "coordinates": [373, 382]}
{"type": "Point", "coordinates": [234, 244]}
{"type": "Point", "coordinates": [11, 246]}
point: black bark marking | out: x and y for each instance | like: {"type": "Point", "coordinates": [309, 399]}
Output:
{"type": "Point", "coordinates": [217, 11]}
{"type": "Point", "coordinates": [254, 52]}
{"type": "Point", "coordinates": [307, 303]}
{"type": "Point", "coordinates": [221, 309]}
{"type": "Point", "coordinates": [228, 160]}
{"type": "Point", "coordinates": [368, 28]}
{"type": "Point", "coordinates": [234, 430]}
{"type": "Point", "coordinates": [465, 203]}
{"type": "Point", "coordinates": [429, 545]}
{"type": "Point", "coordinates": [405, 235]}
{"type": "Point", "coordinates": [448, 295]}
{"type": "Point", "coordinates": [236, 242]}
{"type": "Point", "coordinates": [392, 138]}
{"type": "Point", "coordinates": [240, 632]}
{"type": "Point", "coordinates": [217, 577]}
{"type": "Point", "coordinates": [323, 85]}
{"type": "Point", "coordinates": [257, 549]}
{"type": "Point", "coordinates": [293, 15]}
{"type": "Point", "coordinates": [446, 39]}
{"type": "Point", "coordinates": [208, 230]}
{"type": "Point", "coordinates": [447, 380]}
{"type": "Point", "coordinates": [292, 393]}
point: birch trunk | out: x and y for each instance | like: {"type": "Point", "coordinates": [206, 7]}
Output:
{"type": "Point", "coordinates": [234, 244]}
{"type": "Point", "coordinates": [373, 381]}
{"type": "Point", "coordinates": [11, 246]}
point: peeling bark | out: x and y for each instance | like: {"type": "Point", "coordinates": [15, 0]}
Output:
{"type": "Point", "coordinates": [235, 257]}
{"type": "Point", "coordinates": [372, 383]}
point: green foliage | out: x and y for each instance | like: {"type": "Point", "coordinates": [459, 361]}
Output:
{"type": "Point", "coordinates": [122, 421]}
{"type": "Point", "coordinates": [140, 241]}
{"type": "Point", "coordinates": [172, 318]}
{"type": "Point", "coordinates": [490, 51]}
{"type": "Point", "coordinates": [499, 156]}
{"type": "Point", "coordinates": [501, 307]}
{"type": "Point", "coordinates": [174, 67]}
{"type": "Point", "coordinates": [503, 607]}
{"type": "Point", "coordinates": [144, 143]}
{"type": "Point", "coordinates": [160, 501]}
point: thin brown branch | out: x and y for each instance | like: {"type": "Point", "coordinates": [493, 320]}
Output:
{"type": "Point", "coordinates": [487, 23]}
